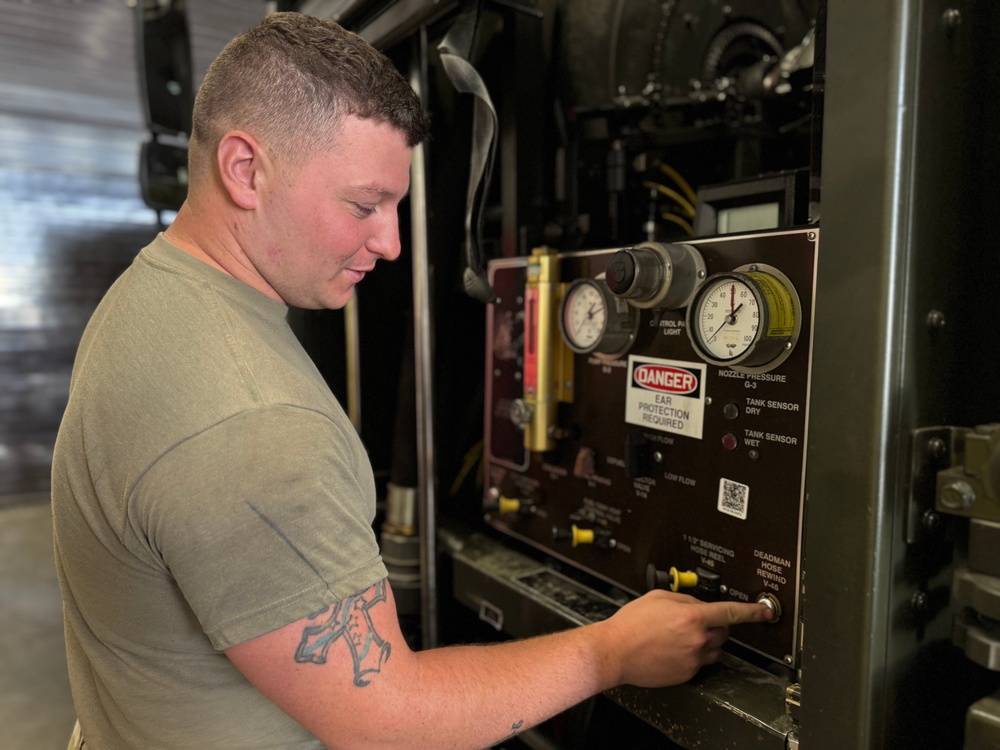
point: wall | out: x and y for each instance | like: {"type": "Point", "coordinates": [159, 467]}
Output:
{"type": "Point", "coordinates": [71, 215]}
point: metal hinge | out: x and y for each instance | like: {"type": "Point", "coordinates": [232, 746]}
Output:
{"type": "Point", "coordinates": [971, 485]}
{"type": "Point", "coordinates": [953, 470]}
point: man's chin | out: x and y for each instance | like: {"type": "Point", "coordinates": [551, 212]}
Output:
{"type": "Point", "coordinates": [338, 300]}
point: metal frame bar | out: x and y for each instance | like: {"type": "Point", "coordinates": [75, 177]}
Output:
{"type": "Point", "coordinates": [423, 330]}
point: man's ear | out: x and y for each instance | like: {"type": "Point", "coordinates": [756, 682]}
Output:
{"type": "Point", "coordinates": [241, 160]}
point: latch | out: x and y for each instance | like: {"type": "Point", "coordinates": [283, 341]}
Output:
{"type": "Point", "coordinates": [967, 485]}
{"type": "Point", "coordinates": [971, 486]}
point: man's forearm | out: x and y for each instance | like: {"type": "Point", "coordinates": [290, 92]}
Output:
{"type": "Point", "coordinates": [476, 696]}
{"type": "Point", "coordinates": [347, 675]}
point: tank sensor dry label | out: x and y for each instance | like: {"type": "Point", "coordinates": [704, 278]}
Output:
{"type": "Point", "coordinates": [666, 395]}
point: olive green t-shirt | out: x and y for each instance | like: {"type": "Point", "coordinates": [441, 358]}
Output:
{"type": "Point", "coordinates": [207, 488]}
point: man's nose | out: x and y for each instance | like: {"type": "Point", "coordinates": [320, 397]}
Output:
{"type": "Point", "coordinates": [385, 241]}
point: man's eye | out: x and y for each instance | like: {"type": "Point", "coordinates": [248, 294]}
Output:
{"type": "Point", "coordinates": [364, 210]}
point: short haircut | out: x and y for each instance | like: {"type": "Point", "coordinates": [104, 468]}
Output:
{"type": "Point", "coordinates": [292, 79]}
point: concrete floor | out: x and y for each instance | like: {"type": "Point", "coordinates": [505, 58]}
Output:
{"type": "Point", "coordinates": [36, 710]}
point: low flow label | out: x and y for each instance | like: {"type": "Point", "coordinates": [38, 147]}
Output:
{"type": "Point", "coordinates": [666, 395]}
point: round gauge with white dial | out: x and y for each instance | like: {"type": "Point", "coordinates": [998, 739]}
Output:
{"type": "Point", "coordinates": [592, 319]}
{"type": "Point", "coordinates": [747, 319]}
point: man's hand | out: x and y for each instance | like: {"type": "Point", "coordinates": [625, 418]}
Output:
{"type": "Point", "coordinates": [664, 638]}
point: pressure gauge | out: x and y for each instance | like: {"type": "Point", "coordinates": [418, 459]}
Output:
{"type": "Point", "coordinates": [747, 319]}
{"type": "Point", "coordinates": [592, 319]}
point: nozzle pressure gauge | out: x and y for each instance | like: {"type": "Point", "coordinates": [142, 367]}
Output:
{"type": "Point", "coordinates": [592, 319]}
{"type": "Point", "coordinates": [747, 319]}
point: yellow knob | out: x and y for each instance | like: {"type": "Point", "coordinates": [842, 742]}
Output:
{"type": "Point", "coordinates": [509, 504]}
{"type": "Point", "coordinates": [686, 579]}
{"type": "Point", "coordinates": [582, 536]}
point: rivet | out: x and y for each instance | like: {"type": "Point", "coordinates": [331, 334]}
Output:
{"type": "Point", "coordinates": [936, 447]}
{"type": "Point", "coordinates": [935, 319]}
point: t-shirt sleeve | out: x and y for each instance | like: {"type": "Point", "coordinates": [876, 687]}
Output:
{"type": "Point", "coordinates": [261, 520]}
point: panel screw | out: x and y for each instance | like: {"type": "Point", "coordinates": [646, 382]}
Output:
{"type": "Point", "coordinates": [935, 319]}
{"type": "Point", "coordinates": [952, 19]}
{"type": "Point", "coordinates": [918, 602]}
{"type": "Point", "coordinates": [930, 520]}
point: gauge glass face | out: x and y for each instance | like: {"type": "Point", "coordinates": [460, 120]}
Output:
{"type": "Point", "coordinates": [584, 316]}
{"type": "Point", "coordinates": [727, 319]}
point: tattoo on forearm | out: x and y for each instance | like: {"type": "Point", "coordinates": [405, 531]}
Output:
{"type": "Point", "coordinates": [349, 619]}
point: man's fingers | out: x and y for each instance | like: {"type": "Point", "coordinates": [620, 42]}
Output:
{"type": "Point", "coordinates": [717, 636]}
{"type": "Point", "coordinates": [719, 614]}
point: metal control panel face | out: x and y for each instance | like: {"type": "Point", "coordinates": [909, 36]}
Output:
{"type": "Point", "coordinates": [678, 448]}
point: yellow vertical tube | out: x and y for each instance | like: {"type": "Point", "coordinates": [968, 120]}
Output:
{"type": "Point", "coordinates": [540, 300]}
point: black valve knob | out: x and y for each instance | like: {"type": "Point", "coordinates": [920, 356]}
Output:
{"type": "Point", "coordinates": [635, 273]}
{"type": "Point", "coordinates": [620, 274]}
{"type": "Point", "coordinates": [656, 579]}
{"type": "Point", "coordinates": [653, 274]}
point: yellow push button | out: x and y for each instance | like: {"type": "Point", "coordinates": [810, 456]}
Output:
{"type": "Point", "coordinates": [582, 536]}
{"type": "Point", "coordinates": [686, 579]}
{"type": "Point", "coordinates": [508, 504]}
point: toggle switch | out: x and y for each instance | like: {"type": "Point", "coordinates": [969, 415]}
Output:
{"type": "Point", "coordinates": [638, 456]}
{"type": "Point", "coordinates": [578, 536]}
{"type": "Point", "coordinates": [508, 504]}
{"type": "Point", "coordinates": [503, 504]}
{"type": "Point", "coordinates": [673, 580]}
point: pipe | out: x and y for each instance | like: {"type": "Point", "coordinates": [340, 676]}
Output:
{"type": "Point", "coordinates": [423, 326]}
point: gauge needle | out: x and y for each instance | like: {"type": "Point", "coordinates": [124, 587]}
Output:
{"type": "Point", "coordinates": [592, 311]}
{"type": "Point", "coordinates": [732, 300]}
{"type": "Point", "coordinates": [730, 319]}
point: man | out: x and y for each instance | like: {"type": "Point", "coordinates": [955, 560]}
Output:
{"type": "Point", "coordinates": [212, 503]}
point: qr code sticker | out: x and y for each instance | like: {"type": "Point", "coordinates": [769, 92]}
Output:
{"type": "Point", "coordinates": [733, 498]}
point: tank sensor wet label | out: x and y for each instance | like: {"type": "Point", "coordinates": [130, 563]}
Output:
{"type": "Point", "coordinates": [666, 395]}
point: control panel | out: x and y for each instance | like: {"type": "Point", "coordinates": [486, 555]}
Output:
{"type": "Point", "coordinates": [646, 415]}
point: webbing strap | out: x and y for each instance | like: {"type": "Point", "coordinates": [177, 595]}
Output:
{"type": "Point", "coordinates": [455, 50]}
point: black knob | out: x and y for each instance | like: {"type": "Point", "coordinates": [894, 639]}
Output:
{"type": "Point", "coordinates": [620, 274]}
{"type": "Point", "coordinates": [657, 579]}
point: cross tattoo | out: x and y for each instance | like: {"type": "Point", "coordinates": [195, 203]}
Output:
{"type": "Point", "coordinates": [351, 620]}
